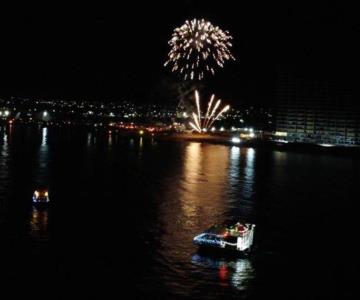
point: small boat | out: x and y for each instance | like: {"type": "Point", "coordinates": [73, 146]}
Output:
{"type": "Point", "coordinates": [41, 196]}
{"type": "Point", "coordinates": [235, 238]}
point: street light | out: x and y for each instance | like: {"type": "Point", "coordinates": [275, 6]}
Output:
{"type": "Point", "coordinates": [236, 140]}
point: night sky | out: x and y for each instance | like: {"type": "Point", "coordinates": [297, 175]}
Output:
{"type": "Point", "coordinates": [117, 53]}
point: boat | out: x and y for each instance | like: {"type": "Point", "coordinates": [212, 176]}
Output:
{"type": "Point", "coordinates": [236, 238]}
{"type": "Point", "coordinates": [41, 196]}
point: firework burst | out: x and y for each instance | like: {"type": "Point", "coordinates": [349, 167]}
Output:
{"type": "Point", "coordinates": [198, 47]}
{"type": "Point", "coordinates": [202, 123]}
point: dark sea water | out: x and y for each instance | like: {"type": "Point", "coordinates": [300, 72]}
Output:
{"type": "Point", "coordinates": [124, 211]}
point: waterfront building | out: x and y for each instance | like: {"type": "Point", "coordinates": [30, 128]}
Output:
{"type": "Point", "coordinates": [317, 111]}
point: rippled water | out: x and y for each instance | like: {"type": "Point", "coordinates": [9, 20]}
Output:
{"type": "Point", "coordinates": [124, 211]}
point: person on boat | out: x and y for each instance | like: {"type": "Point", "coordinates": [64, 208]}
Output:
{"type": "Point", "coordinates": [241, 227]}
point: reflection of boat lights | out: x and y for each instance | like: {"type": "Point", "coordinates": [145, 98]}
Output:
{"type": "Point", "coordinates": [326, 145]}
{"type": "Point", "coordinates": [243, 274]}
{"type": "Point", "coordinates": [239, 273]}
{"type": "Point", "coordinates": [236, 140]}
{"type": "Point", "coordinates": [223, 272]}
{"type": "Point", "coordinates": [39, 224]}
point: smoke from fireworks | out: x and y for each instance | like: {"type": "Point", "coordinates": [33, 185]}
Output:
{"type": "Point", "coordinates": [198, 47]}
{"type": "Point", "coordinates": [200, 123]}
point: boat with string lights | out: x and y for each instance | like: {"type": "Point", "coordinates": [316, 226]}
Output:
{"type": "Point", "coordinates": [234, 238]}
{"type": "Point", "coordinates": [41, 196]}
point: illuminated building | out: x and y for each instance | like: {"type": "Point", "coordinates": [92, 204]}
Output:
{"type": "Point", "coordinates": [316, 111]}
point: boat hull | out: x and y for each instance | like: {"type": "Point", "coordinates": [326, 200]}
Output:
{"type": "Point", "coordinates": [222, 252]}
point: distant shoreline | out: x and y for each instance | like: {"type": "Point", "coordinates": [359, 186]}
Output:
{"type": "Point", "coordinates": [222, 138]}
{"type": "Point", "coordinates": [266, 144]}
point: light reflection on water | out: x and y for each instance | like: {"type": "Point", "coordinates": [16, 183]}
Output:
{"type": "Point", "coordinates": [195, 199]}
{"type": "Point", "coordinates": [201, 189]}
{"type": "Point", "coordinates": [237, 273]}
{"type": "Point", "coordinates": [39, 223]}
{"type": "Point", "coordinates": [4, 143]}
{"type": "Point", "coordinates": [234, 166]}
{"type": "Point", "coordinates": [44, 136]}
{"type": "Point", "coordinates": [89, 139]}
{"type": "Point", "coordinates": [110, 139]}
{"type": "Point", "coordinates": [42, 172]}
{"type": "Point", "coordinates": [4, 165]}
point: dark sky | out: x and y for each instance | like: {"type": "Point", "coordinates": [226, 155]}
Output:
{"type": "Point", "coordinates": [118, 52]}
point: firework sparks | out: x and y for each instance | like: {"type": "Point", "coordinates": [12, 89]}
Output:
{"type": "Point", "coordinates": [198, 47]}
{"type": "Point", "coordinates": [201, 124]}
{"type": "Point", "coordinates": [225, 109]}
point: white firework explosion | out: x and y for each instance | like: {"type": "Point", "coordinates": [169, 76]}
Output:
{"type": "Point", "coordinates": [198, 47]}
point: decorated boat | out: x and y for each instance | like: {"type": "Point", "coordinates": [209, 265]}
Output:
{"type": "Point", "coordinates": [236, 238]}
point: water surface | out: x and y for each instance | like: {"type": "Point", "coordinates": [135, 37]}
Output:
{"type": "Point", "coordinates": [124, 211]}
